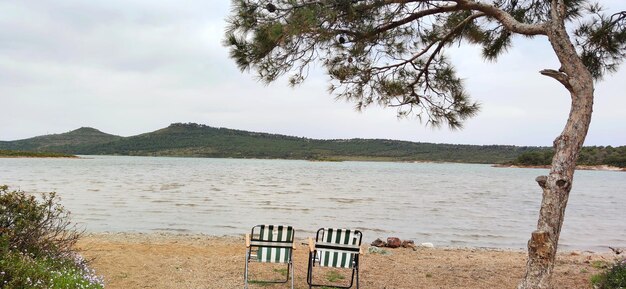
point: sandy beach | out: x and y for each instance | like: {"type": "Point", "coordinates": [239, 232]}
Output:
{"type": "Point", "coordinates": [165, 261]}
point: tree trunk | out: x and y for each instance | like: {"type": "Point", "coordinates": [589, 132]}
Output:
{"type": "Point", "coordinates": [542, 246]}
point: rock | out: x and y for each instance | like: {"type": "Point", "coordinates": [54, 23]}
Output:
{"type": "Point", "coordinates": [394, 242]}
{"type": "Point", "coordinates": [427, 245]}
{"type": "Point", "coordinates": [378, 243]}
{"type": "Point", "coordinates": [376, 250]}
{"type": "Point", "coordinates": [409, 244]}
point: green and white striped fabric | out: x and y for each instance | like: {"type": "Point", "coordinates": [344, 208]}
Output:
{"type": "Point", "coordinates": [338, 247]}
{"type": "Point", "coordinates": [274, 243]}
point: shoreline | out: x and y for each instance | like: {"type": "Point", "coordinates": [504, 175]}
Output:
{"type": "Point", "coordinates": [184, 235]}
{"type": "Point", "coordinates": [39, 157]}
{"type": "Point", "coordinates": [578, 167]}
{"type": "Point", "coordinates": [31, 154]}
{"type": "Point", "coordinates": [165, 260]}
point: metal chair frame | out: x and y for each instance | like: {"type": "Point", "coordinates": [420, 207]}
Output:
{"type": "Point", "coordinates": [252, 242]}
{"type": "Point", "coordinates": [314, 258]}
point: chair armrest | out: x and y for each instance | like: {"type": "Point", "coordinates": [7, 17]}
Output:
{"type": "Point", "coordinates": [311, 245]}
{"type": "Point", "coordinates": [247, 240]}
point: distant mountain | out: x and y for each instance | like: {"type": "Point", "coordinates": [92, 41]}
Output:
{"type": "Point", "coordinates": [195, 140]}
{"type": "Point", "coordinates": [64, 142]}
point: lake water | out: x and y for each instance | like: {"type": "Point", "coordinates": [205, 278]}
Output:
{"type": "Point", "coordinates": [445, 204]}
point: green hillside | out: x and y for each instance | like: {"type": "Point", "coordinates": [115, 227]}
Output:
{"type": "Point", "coordinates": [194, 140]}
{"type": "Point", "coordinates": [64, 142]}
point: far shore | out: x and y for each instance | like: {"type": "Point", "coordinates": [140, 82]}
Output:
{"type": "Point", "coordinates": [39, 157]}
{"type": "Point", "coordinates": [28, 154]}
{"type": "Point", "coordinates": [579, 167]}
{"type": "Point", "coordinates": [160, 261]}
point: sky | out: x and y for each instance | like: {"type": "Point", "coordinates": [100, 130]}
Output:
{"type": "Point", "coordinates": [135, 66]}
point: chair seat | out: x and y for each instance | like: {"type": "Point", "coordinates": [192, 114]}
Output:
{"type": "Point", "coordinates": [270, 244]}
{"type": "Point", "coordinates": [336, 248]}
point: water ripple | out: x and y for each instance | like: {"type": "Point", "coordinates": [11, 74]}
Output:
{"type": "Point", "coordinates": [446, 204]}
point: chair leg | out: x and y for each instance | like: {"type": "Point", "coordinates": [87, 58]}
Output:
{"type": "Point", "coordinates": [245, 274]}
{"type": "Point", "coordinates": [292, 273]}
{"type": "Point", "coordinates": [309, 273]}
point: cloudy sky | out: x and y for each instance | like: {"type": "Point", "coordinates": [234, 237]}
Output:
{"type": "Point", "coordinates": [134, 66]}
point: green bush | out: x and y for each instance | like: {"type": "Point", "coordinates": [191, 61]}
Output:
{"type": "Point", "coordinates": [534, 158]}
{"type": "Point", "coordinates": [36, 245]}
{"type": "Point", "coordinates": [613, 278]}
{"type": "Point", "coordinates": [39, 227]}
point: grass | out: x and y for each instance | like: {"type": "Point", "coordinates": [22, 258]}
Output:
{"type": "Point", "coordinates": [282, 271]}
{"type": "Point", "coordinates": [599, 264]}
{"type": "Point", "coordinates": [334, 276]}
{"type": "Point", "coordinates": [263, 283]}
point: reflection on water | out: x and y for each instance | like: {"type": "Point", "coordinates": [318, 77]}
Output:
{"type": "Point", "coordinates": [446, 204]}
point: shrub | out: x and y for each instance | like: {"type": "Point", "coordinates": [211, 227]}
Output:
{"type": "Point", "coordinates": [21, 271]}
{"type": "Point", "coordinates": [36, 245]}
{"type": "Point", "coordinates": [39, 227]}
{"type": "Point", "coordinates": [613, 278]}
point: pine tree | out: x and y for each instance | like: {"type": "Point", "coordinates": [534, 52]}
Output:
{"type": "Point", "coordinates": [391, 53]}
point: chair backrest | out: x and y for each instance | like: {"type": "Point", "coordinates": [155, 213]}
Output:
{"type": "Point", "coordinates": [337, 247]}
{"type": "Point", "coordinates": [274, 243]}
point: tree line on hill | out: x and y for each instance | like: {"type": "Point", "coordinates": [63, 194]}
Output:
{"type": "Point", "coordinates": [196, 140]}
{"type": "Point", "coordinates": [589, 156]}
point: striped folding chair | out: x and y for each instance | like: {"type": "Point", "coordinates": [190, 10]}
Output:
{"type": "Point", "coordinates": [336, 248]}
{"type": "Point", "coordinates": [270, 244]}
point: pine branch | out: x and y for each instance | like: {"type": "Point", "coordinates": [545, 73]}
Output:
{"type": "Point", "coordinates": [559, 76]}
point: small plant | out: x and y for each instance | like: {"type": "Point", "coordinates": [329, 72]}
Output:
{"type": "Point", "coordinates": [614, 277]}
{"type": "Point", "coordinates": [599, 264]}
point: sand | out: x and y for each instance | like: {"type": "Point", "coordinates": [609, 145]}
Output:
{"type": "Point", "coordinates": [166, 261]}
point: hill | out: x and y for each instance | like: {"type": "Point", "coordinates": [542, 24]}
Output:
{"type": "Point", "coordinates": [195, 140]}
{"type": "Point", "coordinates": [64, 142]}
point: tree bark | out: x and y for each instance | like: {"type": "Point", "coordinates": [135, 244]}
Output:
{"type": "Point", "coordinates": [574, 76]}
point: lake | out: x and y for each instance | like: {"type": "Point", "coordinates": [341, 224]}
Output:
{"type": "Point", "coordinates": [458, 205]}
